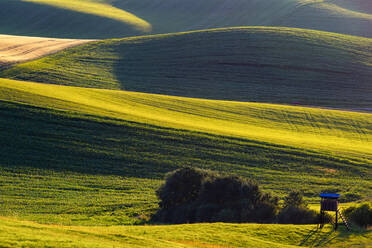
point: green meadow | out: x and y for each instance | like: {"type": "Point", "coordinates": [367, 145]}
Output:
{"type": "Point", "coordinates": [274, 65]}
{"type": "Point", "coordinates": [72, 18]}
{"type": "Point", "coordinates": [218, 235]}
{"type": "Point", "coordinates": [124, 18]}
{"type": "Point", "coordinates": [352, 17]}
{"type": "Point", "coordinates": [278, 91]}
{"type": "Point", "coordinates": [104, 141]}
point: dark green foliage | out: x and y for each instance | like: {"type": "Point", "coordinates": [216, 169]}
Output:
{"type": "Point", "coordinates": [360, 215]}
{"type": "Point", "coordinates": [298, 215]}
{"type": "Point", "coordinates": [182, 186]}
{"type": "Point", "coordinates": [228, 189]}
{"type": "Point", "coordinates": [295, 211]}
{"type": "Point", "coordinates": [294, 199]}
{"type": "Point", "coordinates": [203, 196]}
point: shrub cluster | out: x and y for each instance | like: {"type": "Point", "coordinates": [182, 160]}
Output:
{"type": "Point", "coordinates": [360, 215]}
{"type": "Point", "coordinates": [194, 195]}
{"type": "Point", "coordinates": [295, 211]}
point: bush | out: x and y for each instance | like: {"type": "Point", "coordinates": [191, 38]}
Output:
{"type": "Point", "coordinates": [229, 189]}
{"type": "Point", "coordinates": [295, 211]}
{"type": "Point", "coordinates": [182, 186]}
{"type": "Point", "coordinates": [207, 212]}
{"type": "Point", "coordinates": [298, 215]}
{"type": "Point", "coordinates": [193, 195]}
{"type": "Point", "coordinates": [294, 199]}
{"type": "Point", "coordinates": [266, 210]}
{"type": "Point", "coordinates": [360, 215]}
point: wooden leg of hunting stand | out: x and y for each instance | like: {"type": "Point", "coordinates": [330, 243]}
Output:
{"type": "Point", "coordinates": [336, 222]}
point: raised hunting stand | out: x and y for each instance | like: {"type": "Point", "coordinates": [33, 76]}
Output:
{"type": "Point", "coordinates": [329, 202]}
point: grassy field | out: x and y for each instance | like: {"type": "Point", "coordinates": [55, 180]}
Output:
{"type": "Point", "coordinates": [123, 18]}
{"type": "Point", "coordinates": [87, 134]}
{"type": "Point", "coordinates": [300, 127]}
{"type": "Point", "coordinates": [107, 151]}
{"type": "Point", "coordinates": [341, 16]}
{"type": "Point", "coordinates": [278, 65]}
{"type": "Point", "coordinates": [98, 8]}
{"type": "Point", "coordinates": [22, 233]}
{"type": "Point", "coordinates": [68, 19]}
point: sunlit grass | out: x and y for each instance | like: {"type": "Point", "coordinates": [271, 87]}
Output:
{"type": "Point", "coordinates": [340, 133]}
{"type": "Point", "coordinates": [336, 9]}
{"type": "Point", "coordinates": [99, 8]}
{"type": "Point", "coordinates": [262, 64]}
{"type": "Point", "coordinates": [218, 235]}
{"type": "Point", "coordinates": [69, 167]}
{"type": "Point", "coordinates": [97, 133]}
{"type": "Point", "coordinates": [62, 197]}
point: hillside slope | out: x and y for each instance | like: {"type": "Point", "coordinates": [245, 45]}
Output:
{"type": "Point", "coordinates": [106, 151]}
{"type": "Point", "coordinates": [68, 19]}
{"type": "Point", "coordinates": [23, 233]}
{"type": "Point", "coordinates": [278, 65]}
{"type": "Point", "coordinates": [16, 49]}
{"type": "Point", "coordinates": [299, 127]}
{"type": "Point", "coordinates": [123, 18]}
{"type": "Point", "coordinates": [341, 16]}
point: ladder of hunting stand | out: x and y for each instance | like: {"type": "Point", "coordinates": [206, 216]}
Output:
{"type": "Point", "coordinates": [343, 219]}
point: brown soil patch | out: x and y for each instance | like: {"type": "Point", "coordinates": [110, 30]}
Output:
{"type": "Point", "coordinates": [328, 170]}
{"type": "Point", "coordinates": [16, 49]}
{"type": "Point", "coordinates": [200, 245]}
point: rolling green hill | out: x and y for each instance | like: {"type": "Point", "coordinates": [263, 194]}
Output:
{"type": "Point", "coordinates": [278, 65]}
{"type": "Point", "coordinates": [23, 233]}
{"type": "Point", "coordinates": [123, 18]}
{"type": "Point", "coordinates": [106, 151]}
{"type": "Point", "coordinates": [71, 18]}
{"type": "Point", "coordinates": [340, 16]}
{"type": "Point", "coordinates": [88, 135]}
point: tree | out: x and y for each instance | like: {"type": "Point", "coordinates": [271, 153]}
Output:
{"type": "Point", "coordinates": [182, 186]}
{"type": "Point", "coordinates": [192, 195]}
{"type": "Point", "coordinates": [294, 199]}
{"type": "Point", "coordinates": [360, 215]}
{"type": "Point", "coordinates": [295, 211]}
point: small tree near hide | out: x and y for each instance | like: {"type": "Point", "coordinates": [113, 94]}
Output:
{"type": "Point", "coordinates": [182, 186]}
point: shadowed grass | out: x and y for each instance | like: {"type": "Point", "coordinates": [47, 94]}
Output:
{"type": "Point", "coordinates": [278, 65]}
{"type": "Point", "coordinates": [124, 18]}
{"type": "Point", "coordinates": [307, 128]}
{"type": "Point", "coordinates": [99, 8]}
{"type": "Point", "coordinates": [22, 233]}
{"type": "Point", "coordinates": [68, 19]}
{"type": "Point", "coordinates": [97, 147]}
{"type": "Point", "coordinates": [341, 16]}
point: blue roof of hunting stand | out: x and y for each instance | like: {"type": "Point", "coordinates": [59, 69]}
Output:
{"type": "Point", "coordinates": [329, 195]}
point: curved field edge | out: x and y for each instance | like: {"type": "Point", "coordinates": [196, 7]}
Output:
{"type": "Point", "coordinates": [77, 169]}
{"type": "Point", "coordinates": [319, 130]}
{"type": "Point", "coordinates": [277, 65]}
{"type": "Point", "coordinates": [75, 19]}
{"type": "Point", "coordinates": [20, 233]}
{"type": "Point", "coordinates": [17, 49]}
{"type": "Point", "coordinates": [348, 17]}
{"type": "Point", "coordinates": [99, 8]}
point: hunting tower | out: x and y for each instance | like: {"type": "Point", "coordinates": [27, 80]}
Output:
{"type": "Point", "coordinates": [329, 202]}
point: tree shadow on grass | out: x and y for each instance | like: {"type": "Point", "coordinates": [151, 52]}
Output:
{"type": "Point", "coordinates": [318, 238]}
{"type": "Point", "coordinates": [321, 237]}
